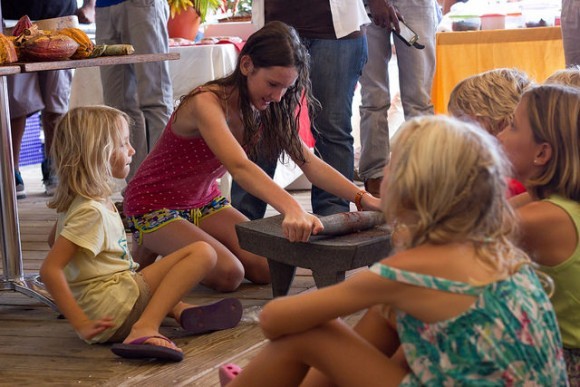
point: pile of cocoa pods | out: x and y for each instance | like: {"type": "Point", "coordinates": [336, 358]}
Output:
{"type": "Point", "coordinates": [33, 44]}
{"type": "Point", "coordinates": [28, 43]}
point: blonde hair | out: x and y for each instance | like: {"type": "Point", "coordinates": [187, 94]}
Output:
{"type": "Point", "coordinates": [489, 98]}
{"type": "Point", "coordinates": [449, 177]}
{"type": "Point", "coordinates": [554, 114]}
{"type": "Point", "coordinates": [569, 76]}
{"type": "Point", "coordinates": [84, 141]}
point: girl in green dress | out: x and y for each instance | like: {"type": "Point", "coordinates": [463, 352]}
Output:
{"type": "Point", "coordinates": [456, 304]}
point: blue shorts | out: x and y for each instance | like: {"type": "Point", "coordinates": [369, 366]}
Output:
{"type": "Point", "coordinates": [153, 221]}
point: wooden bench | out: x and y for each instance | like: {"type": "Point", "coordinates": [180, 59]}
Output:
{"type": "Point", "coordinates": [329, 257]}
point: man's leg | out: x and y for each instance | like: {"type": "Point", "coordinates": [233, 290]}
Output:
{"type": "Point", "coordinates": [246, 203]}
{"type": "Point", "coordinates": [374, 108]}
{"type": "Point", "coordinates": [55, 87]}
{"type": "Point", "coordinates": [571, 31]}
{"type": "Point", "coordinates": [17, 126]}
{"type": "Point", "coordinates": [119, 82]}
{"type": "Point", "coordinates": [24, 98]}
{"type": "Point", "coordinates": [417, 67]}
{"type": "Point", "coordinates": [335, 67]}
{"type": "Point", "coordinates": [147, 28]}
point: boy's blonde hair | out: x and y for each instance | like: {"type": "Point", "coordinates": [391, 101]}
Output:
{"type": "Point", "coordinates": [554, 114]}
{"type": "Point", "coordinates": [489, 98]}
{"type": "Point", "coordinates": [448, 176]}
{"type": "Point", "coordinates": [569, 76]}
{"type": "Point", "coordinates": [84, 141]}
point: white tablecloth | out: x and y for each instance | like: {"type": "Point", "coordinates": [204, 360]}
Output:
{"type": "Point", "coordinates": [197, 65]}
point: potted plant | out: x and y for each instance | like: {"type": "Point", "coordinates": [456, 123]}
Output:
{"type": "Point", "coordinates": [238, 10]}
{"type": "Point", "coordinates": [187, 15]}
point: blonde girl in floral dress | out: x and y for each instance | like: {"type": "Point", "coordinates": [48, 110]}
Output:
{"type": "Point", "coordinates": [457, 304]}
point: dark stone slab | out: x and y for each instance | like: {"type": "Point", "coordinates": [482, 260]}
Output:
{"type": "Point", "coordinates": [329, 257]}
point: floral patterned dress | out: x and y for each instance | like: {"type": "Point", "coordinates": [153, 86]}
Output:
{"type": "Point", "coordinates": [509, 336]}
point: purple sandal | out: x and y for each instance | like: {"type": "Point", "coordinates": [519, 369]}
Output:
{"type": "Point", "coordinates": [220, 315]}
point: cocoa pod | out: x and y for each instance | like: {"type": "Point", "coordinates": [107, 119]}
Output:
{"type": "Point", "coordinates": [86, 46]}
{"type": "Point", "coordinates": [23, 23]}
{"type": "Point", "coordinates": [29, 34]}
{"type": "Point", "coordinates": [13, 39]}
{"type": "Point", "coordinates": [48, 48]}
{"type": "Point", "coordinates": [7, 51]}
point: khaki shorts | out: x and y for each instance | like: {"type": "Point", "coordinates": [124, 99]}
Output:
{"type": "Point", "coordinates": [140, 305]}
{"type": "Point", "coordinates": [32, 92]}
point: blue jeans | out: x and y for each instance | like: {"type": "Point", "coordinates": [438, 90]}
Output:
{"type": "Point", "coordinates": [247, 203]}
{"type": "Point", "coordinates": [335, 66]}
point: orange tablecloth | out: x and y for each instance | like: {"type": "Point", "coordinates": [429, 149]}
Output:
{"type": "Point", "coordinates": [537, 51]}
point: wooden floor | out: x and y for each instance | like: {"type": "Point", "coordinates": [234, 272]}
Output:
{"type": "Point", "coordinates": [38, 348]}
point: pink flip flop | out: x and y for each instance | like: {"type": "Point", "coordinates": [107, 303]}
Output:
{"type": "Point", "coordinates": [139, 349]}
{"type": "Point", "coordinates": [220, 315]}
{"type": "Point", "coordinates": [228, 372]}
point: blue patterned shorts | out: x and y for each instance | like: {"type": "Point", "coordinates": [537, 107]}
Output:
{"type": "Point", "coordinates": [153, 221]}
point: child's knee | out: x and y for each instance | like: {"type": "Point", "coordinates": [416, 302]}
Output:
{"type": "Point", "coordinates": [202, 253]}
{"type": "Point", "coordinates": [143, 256]}
{"type": "Point", "coordinates": [259, 274]}
{"type": "Point", "coordinates": [227, 278]}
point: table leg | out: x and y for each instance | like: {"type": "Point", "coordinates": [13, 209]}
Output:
{"type": "Point", "coordinates": [326, 278]}
{"type": "Point", "coordinates": [12, 277]}
{"type": "Point", "coordinates": [282, 276]}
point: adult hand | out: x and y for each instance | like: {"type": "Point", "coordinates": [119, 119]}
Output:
{"type": "Point", "coordinates": [93, 327]}
{"type": "Point", "coordinates": [298, 227]}
{"type": "Point", "coordinates": [385, 14]}
{"type": "Point", "coordinates": [86, 14]}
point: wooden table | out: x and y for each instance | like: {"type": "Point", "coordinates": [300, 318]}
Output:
{"type": "Point", "coordinates": [537, 51]}
{"type": "Point", "coordinates": [328, 257]}
{"type": "Point", "coordinates": [12, 278]}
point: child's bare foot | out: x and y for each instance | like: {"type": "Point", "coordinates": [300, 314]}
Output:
{"type": "Point", "coordinates": [139, 345]}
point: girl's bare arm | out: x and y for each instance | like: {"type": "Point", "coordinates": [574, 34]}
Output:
{"type": "Point", "coordinates": [52, 275]}
{"type": "Point", "coordinates": [294, 314]}
{"type": "Point", "coordinates": [329, 179]}
{"type": "Point", "coordinates": [209, 117]}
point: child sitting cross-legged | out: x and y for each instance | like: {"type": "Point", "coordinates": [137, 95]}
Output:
{"type": "Point", "coordinates": [89, 270]}
{"type": "Point", "coordinates": [456, 304]}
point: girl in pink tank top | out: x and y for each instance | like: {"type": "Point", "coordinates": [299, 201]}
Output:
{"type": "Point", "coordinates": [222, 126]}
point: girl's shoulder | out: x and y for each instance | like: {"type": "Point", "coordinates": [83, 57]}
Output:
{"type": "Point", "coordinates": [541, 213]}
{"type": "Point", "coordinates": [202, 104]}
{"type": "Point", "coordinates": [456, 262]}
{"type": "Point", "coordinates": [208, 91]}
{"type": "Point", "coordinates": [204, 100]}
{"type": "Point", "coordinates": [84, 205]}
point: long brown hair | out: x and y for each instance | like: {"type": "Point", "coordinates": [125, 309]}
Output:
{"type": "Point", "coordinates": [275, 129]}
